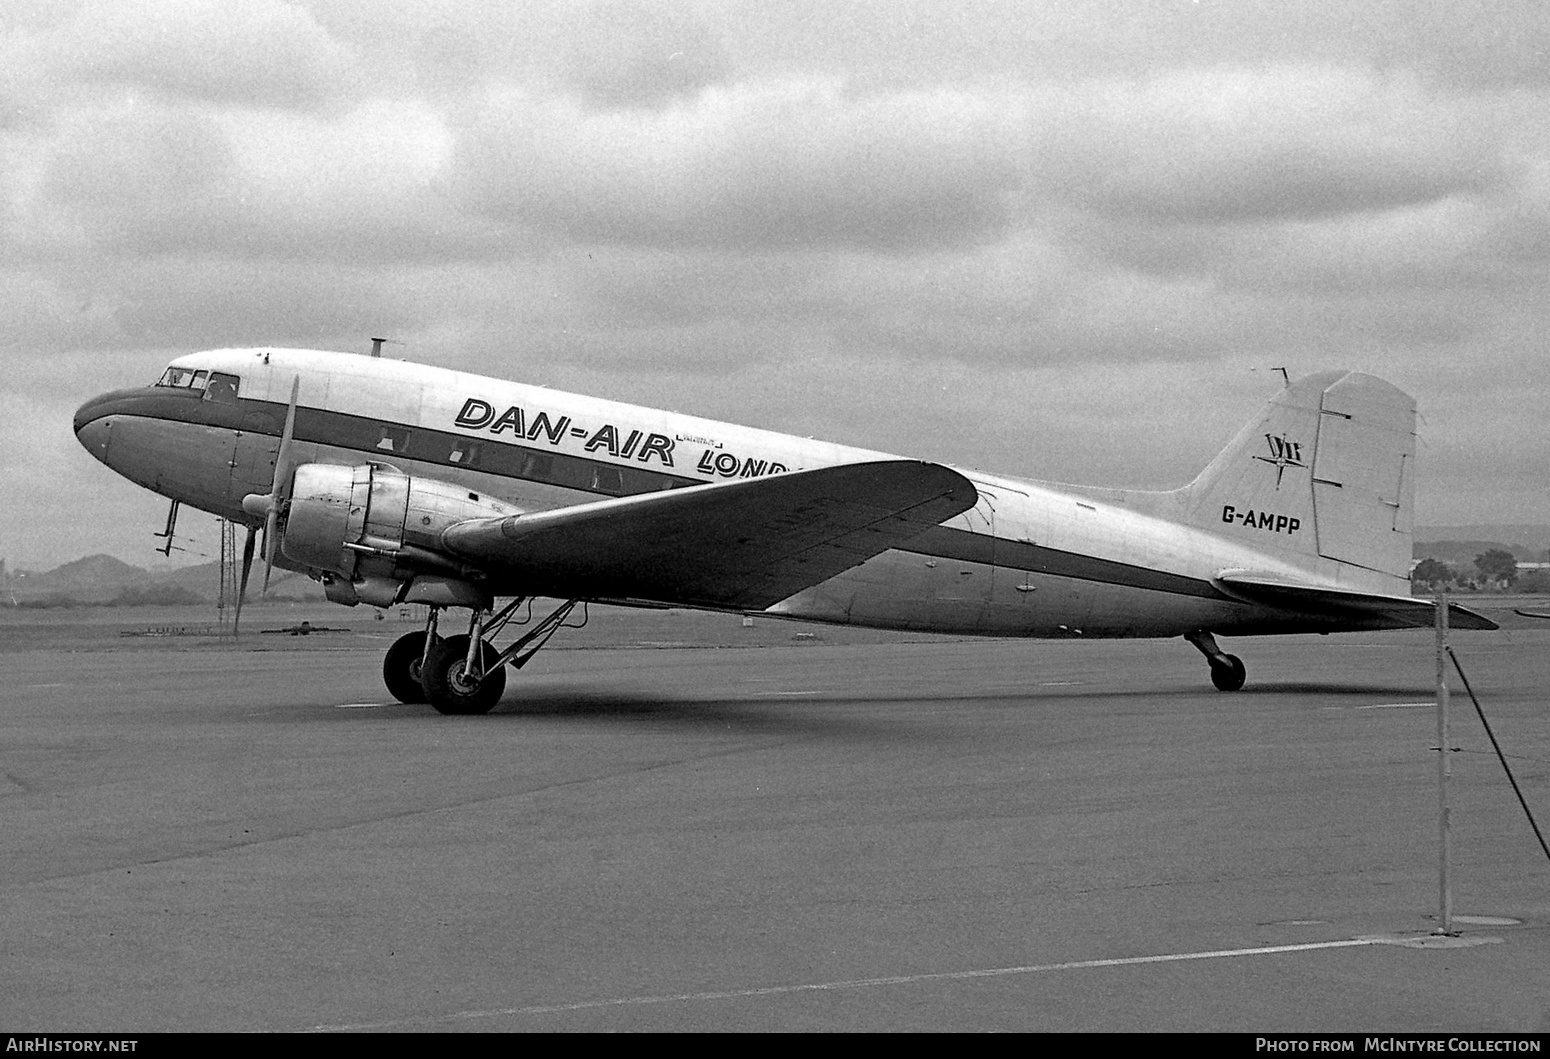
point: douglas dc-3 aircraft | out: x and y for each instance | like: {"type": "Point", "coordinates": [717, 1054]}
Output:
{"type": "Point", "coordinates": [394, 482]}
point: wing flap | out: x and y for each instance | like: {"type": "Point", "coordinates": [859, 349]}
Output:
{"type": "Point", "coordinates": [1398, 612]}
{"type": "Point", "coordinates": [744, 544]}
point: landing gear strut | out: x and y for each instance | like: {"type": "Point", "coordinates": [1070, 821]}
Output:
{"type": "Point", "coordinates": [1227, 671]}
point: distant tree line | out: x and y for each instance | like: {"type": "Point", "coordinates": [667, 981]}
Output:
{"type": "Point", "coordinates": [1493, 567]}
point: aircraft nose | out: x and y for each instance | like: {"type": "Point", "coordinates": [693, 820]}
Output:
{"type": "Point", "coordinates": [92, 426]}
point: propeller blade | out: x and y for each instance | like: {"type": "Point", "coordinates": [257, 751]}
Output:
{"type": "Point", "coordinates": [242, 590]}
{"type": "Point", "coordinates": [280, 488]}
{"type": "Point", "coordinates": [271, 531]}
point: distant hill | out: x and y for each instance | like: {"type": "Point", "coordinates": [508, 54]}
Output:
{"type": "Point", "coordinates": [1521, 536]}
{"type": "Point", "coordinates": [99, 579]}
{"type": "Point", "coordinates": [92, 572]}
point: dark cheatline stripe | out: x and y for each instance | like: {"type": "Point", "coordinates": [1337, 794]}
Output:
{"type": "Point", "coordinates": [533, 464]}
{"type": "Point", "coordinates": [485, 454]}
{"type": "Point", "coordinates": [408, 442]}
{"type": "Point", "coordinates": [949, 543]}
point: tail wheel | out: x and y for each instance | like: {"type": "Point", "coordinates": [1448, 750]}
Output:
{"type": "Point", "coordinates": [401, 668]}
{"type": "Point", "coordinates": [446, 680]}
{"type": "Point", "coordinates": [1228, 674]}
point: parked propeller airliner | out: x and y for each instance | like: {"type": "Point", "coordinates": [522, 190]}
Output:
{"type": "Point", "coordinates": [393, 482]}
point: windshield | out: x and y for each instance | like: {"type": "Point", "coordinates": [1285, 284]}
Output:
{"type": "Point", "coordinates": [183, 378]}
{"type": "Point", "coordinates": [215, 385]}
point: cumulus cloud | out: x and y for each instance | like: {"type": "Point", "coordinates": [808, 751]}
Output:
{"type": "Point", "coordinates": [128, 176]}
{"type": "Point", "coordinates": [367, 184]}
{"type": "Point", "coordinates": [788, 164]}
{"type": "Point", "coordinates": [632, 54]}
{"type": "Point", "coordinates": [266, 53]}
{"type": "Point", "coordinates": [1222, 145]}
{"type": "Point", "coordinates": [139, 179]}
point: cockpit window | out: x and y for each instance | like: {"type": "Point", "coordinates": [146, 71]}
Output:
{"type": "Point", "coordinates": [222, 388]}
{"type": "Point", "coordinates": [182, 378]}
{"type": "Point", "coordinates": [215, 385]}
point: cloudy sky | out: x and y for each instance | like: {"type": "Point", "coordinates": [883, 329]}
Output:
{"type": "Point", "coordinates": [1064, 239]}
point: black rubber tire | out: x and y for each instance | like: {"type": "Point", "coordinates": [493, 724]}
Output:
{"type": "Point", "coordinates": [401, 668]}
{"type": "Point", "coordinates": [445, 688]}
{"type": "Point", "coordinates": [1229, 676]}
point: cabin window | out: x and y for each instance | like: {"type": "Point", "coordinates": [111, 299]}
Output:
{"type": "Point", "coordinates": [393, 439]}
{"type": "Point", "coordinates": [465, 453]}
{"type": "Point", "coordinates": [607, 479]}
{"type": "Point", "coordinates": [536, 465]}
{"type": "Point", "coordinates": [222, 387]}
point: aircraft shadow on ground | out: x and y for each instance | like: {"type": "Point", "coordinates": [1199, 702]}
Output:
{"type": "Point", "coordinates": [1411, 692]}
{"type": "Point", "coordinates": [1268, 689]}
{"type": "Point", "coordinates": [614, 706]}
{"type": "Point", "coordinates": [613, 703]}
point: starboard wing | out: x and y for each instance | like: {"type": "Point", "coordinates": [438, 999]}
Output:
{"type": "Point", "coordinates": [1397, 612]}
{"type": "Point", "coordinates": [737, 545]}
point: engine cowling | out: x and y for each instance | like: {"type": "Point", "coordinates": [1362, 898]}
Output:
{"type": "Point", "coordinates": [370, 531]}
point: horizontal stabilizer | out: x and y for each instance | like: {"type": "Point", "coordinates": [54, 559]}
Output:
{"type": "Point", "coordinates": [739, 545]}
{"type": "Point", "coordinates": [1394, 612]}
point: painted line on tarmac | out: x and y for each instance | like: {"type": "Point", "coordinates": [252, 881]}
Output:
{"type": "Point", "coordinates": [854, 983]}
{"type": "Point", "coordinates": [362, 705]}
{"type": "Point", "coordinates": [1396, 705]}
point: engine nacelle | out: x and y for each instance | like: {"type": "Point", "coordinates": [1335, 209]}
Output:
{"type": "Point", "coordinates": [371, 530]}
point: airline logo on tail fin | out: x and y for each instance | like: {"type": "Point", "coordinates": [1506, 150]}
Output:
{"type": "Point", "coordinates": [1283, 454]}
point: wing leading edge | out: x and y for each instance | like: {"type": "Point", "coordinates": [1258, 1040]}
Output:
{"type": "Point", "coordinates": [742, 545]}
{"type": "Point", "coordinates": [1394, 612]}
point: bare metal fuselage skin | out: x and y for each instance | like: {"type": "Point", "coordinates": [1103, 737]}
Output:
{"type": "Point", "coordinates": [1030, 559]}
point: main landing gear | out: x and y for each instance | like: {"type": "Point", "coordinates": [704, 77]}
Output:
{"type": "Point", "coordinates": [1227, 671]}
{"type": "Point", "coordinates": [466, 674]}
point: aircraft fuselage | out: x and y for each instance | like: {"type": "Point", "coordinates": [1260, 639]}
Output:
{"type": "Point", "coordinates": [1030, 559]}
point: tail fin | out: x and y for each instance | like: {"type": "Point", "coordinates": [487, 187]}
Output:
{"type": "Point", "coordinates": [1327, 471]}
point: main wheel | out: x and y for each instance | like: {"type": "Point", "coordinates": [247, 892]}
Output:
{"type": "Point", "coordinates": [446, 680]}
{"type": "Point", "coordinates": [401, 668]}
{"type": "Point", "coordinates": [1228, 675]}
